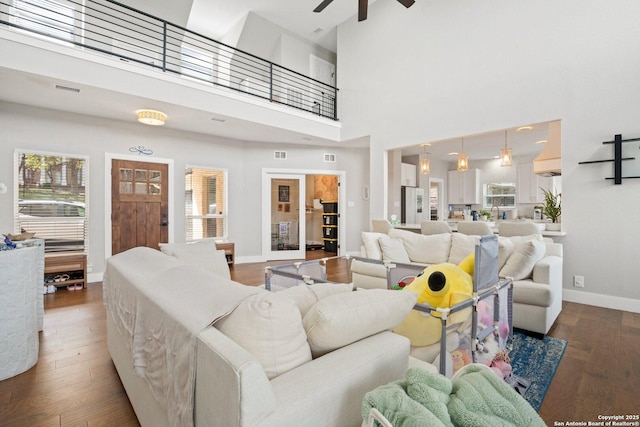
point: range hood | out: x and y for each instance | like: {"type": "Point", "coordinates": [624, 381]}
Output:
{"type": "Point", "coordinates": [549, 161]}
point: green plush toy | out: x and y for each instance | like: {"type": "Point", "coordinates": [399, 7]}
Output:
{"type": "Point", "coordinates": [440, 286]}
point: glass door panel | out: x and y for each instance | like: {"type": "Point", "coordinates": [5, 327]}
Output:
{"type": "Point", "coordinates": [287, 217]}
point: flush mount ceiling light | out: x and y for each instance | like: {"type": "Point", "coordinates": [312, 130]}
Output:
{"type": "Point", "coordinates": [523, 128]}
{"type": "Point", "coordinates": [425, 167]}
{"type": "Point", "coordinates": [463, 159]}
{"type": "Point", "coordinates": [505, 153]}
{"type": "Point", "coordinates": [151, 117]}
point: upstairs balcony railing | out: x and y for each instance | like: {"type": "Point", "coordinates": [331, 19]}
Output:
{"type": "Point", "coordinates": [130, 35]}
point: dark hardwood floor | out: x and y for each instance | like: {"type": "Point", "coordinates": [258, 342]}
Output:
{"type": "Point", "coordinates": [75, 383]}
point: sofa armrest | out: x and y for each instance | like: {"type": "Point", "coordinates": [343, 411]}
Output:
{"type": "Point", "coordinates": [549, 270]}
{"type": "Point", "coordinates": [232, 388]}
{"type": "Point", "coordinates": [328, 391]}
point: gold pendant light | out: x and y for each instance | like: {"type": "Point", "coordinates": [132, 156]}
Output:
{"type": "Point", "coordinates": [506, 157]}
{"type": "Point", "coordinates": [463, 159]}
{"type": "Point", "coordinates": [425, 167]}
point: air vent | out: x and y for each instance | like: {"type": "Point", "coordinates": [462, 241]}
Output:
{"type": "Point", "coordinates": [280, 155]}
{"type": "Point", "coordinates": [68, 89]}
{"type": "Point", "coordinates": [329, 158]}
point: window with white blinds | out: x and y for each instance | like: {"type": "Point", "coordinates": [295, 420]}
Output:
{"type": "Point", "coordinates": [52, 200]}
{"type": "Point", "coordinates": [47, 17]}
{"type": "Point", "coordinates": [205, 203]}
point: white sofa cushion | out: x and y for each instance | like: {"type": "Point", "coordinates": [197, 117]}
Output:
{"type": "Point", "coordinates": [306, 296]}
{"type": "Point", "coordinates": [371, 245]}
{"type": "Point", "coordinates": [269, 326]}
{"type": "Point", "coordinates": [202, 253]}
{"type": "Point", "coordinates": [461, 246]}
{"type": "Point", "coordinates": [424, 249]}
{"type": "Point", "coordinates": [339, 320]}
{"type": "Point", "coordinates": [393, 250]}
{"type": "Point", "coordinates": [520, 264]}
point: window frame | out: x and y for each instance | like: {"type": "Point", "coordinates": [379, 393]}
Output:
{"type": "Point", "coordinates": [486, 196]}
{"type": "Point", "coordinates": [224, 216]}
{"type": "Point", "coordinates": [16, 204]}
{"type": "Point", "coordinates": [27, 21]}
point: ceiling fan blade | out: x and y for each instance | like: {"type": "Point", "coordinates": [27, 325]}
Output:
{"type": "Point", "coordinates": [362, 9]}
{"type": "Point", "coordinates": [322, 5]}
{"type": "Point", "coordinates": [407, 3]}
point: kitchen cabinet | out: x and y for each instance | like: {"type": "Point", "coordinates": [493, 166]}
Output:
{"type": "Point", "coordinates": [408, 174]}
{"type": "Point", "coordinates": [529, 184]}
{"type": "Point", "coordinates": [463, 188]}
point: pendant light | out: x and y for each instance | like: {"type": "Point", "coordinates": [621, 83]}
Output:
{"type": "Point", "coordinates": [463, 159]}
{"type": "Point", "coordinates": [505, 153]}
{"type": "Point", "coordinates": [425, 167]}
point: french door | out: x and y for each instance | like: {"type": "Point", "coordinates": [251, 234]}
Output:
{"type": "Point", "coordinates": [284, 230]}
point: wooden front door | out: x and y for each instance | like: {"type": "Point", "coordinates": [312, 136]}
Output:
{"type": "Point", "coordinates": [139, 205]}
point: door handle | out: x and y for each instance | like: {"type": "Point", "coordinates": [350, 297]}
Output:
{"type": "Point", "coordinates": [163, 221]}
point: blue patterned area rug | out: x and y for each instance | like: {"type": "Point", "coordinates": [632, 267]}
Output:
{"type": "Point", "coordinates": [536, 360]}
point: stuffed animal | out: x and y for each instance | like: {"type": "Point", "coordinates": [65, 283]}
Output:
{"type": "Point", "coordinates": [440, 286]}
{"type": "Point", "coordinates": [460, 358]}
{"type": "Point", "coordinates": [501, 364]}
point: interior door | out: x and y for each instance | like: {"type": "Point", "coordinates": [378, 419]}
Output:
{"type": "Point", "coordinates": [286, 207]}
{"type": "Point", "coordinates": [139, 205]}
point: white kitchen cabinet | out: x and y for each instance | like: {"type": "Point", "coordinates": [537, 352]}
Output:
{"type": "Point", "coordinates": [529, 184]}
{"type": "Point", "coordinates": [408, 174]}
{"type": "Point", "coordinates": [463, 188]}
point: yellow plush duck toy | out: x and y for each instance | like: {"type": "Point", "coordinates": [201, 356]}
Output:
{"type": "Point", "coordinates": [442, 286]}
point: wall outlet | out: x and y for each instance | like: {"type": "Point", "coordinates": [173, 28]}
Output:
{"type": "Point", "coordinates": [578, 281]}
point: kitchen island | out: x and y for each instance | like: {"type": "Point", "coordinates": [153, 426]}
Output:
{"type": "Point", "coordinates": [493, 224]}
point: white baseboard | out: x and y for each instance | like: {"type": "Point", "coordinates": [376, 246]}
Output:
{"type": "Point", "coordinates": [94, 277]}
{"type": "Point", "coordinates": [599, 300]}
{"type": "Point", "coordinates": [249, 259]}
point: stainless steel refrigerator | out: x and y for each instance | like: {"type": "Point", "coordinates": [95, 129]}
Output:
{"type": "Point", "coordinates": [412, 205]}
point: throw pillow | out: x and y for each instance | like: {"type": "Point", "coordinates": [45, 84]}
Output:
{"type": "Point", "coordinates": [520, 264]}
{"type": "Point", "coordinates": [393, 250]}
{"type": "Point", "coordinates": [269, 326]}
{"type": "Point", "coordinates": [203, 254]}
{"type": "Point", "coordinates": [339, 320]}
{"type": "Point", "coordinates": [505, 250]}
{"type": "Point", "coordinates": [306, 296]}
{"type": "Point", "coordinates": [425, 249]}
{"type": "Point", "coordinates": [461, 246]}
{"type": "Point", "coordinates": [371, 246]}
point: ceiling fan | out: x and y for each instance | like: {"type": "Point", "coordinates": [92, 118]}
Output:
{"type": "Point", "coordinates": [362, 7]}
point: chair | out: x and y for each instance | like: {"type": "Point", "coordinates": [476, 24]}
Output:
{"type": "Point", "coordinates": [434, 227]}
{"type": "Point", "coordinates": [380, 226]}
{"type": "Point", "coordinates": [519, 228]}
{"type": "Point", "coordinates": [476, 228]}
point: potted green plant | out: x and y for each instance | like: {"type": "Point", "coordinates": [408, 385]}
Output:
{"type": "Point", "coordinates": [552, 209]}
{"type": "Point", "coordinates": [485, 215]}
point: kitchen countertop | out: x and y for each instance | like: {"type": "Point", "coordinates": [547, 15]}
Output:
{"type": "Point", "coordinates": [493, 224]}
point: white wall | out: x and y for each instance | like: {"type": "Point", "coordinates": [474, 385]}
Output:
{"type": "Point", "coordinates": [444, 69]}
{"type": "Point", "coordinates": [32, 128]}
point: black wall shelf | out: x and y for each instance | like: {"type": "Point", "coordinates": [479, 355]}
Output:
{"type": "Point", "coordinates": [617, 159]}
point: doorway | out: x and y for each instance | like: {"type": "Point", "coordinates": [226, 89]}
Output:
{"type": "Point", "coordinates": [293, 227]}
{"type": "Point", "coordinates": [138, 196]}
{"type": "Point", "coordinates": [436, 199]}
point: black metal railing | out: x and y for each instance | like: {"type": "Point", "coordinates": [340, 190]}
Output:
{"type": "Point", "coordinates": [133, 36]}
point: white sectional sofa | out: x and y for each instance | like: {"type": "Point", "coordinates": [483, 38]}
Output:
{"type": "Point", "coordinates": [303, 358]}
{"type": "Point", "coordinates": [534, 263]}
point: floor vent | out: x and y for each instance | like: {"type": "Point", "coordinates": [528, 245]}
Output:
{"type": "Point", "coordinates": [68, 89]}
{"type": "Point", "coordinates": [329, 158]}
{"type": "Point", "coordinates": [280, 155]}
